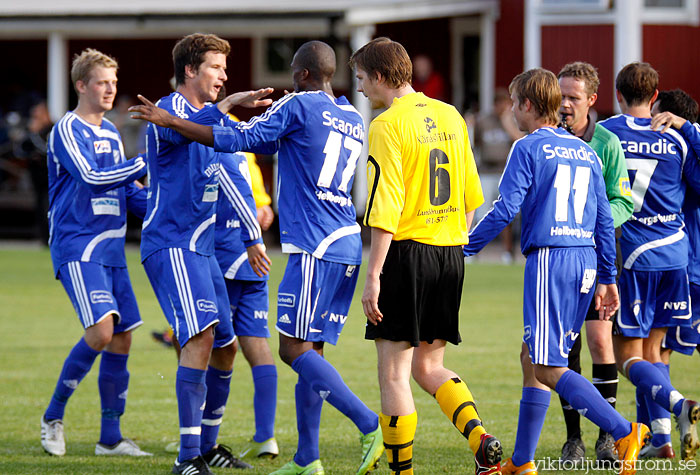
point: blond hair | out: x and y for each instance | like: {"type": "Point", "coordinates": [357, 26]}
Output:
{"type": "Point", "coordinates": [582, 71]}
{"type": "Point", "coordinates": [86, 61]}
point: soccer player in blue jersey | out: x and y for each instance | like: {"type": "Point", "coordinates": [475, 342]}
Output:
{"type": "Point", "coordinates": [676, 108]}
{"type": "Point", "coordinates": [91, 185]}
{"type": "Point", "coordinates": [555, 179]}
{"type": "Point", "coordinates": [320, 139]}
{"type": "Point", "coordinates": [654, 285]}
{"type": "Point", "coordinates": [238, 241]}
{"type": "Point", "coordinates": [177, 250]}
{"type": "Point", "coordinates": [579, 86]}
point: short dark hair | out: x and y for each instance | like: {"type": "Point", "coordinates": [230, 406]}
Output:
{"type": "Point", "coordinates": [678, 102]}
{"type": "Point", "coordinates": [583, 72]}
{"type": "Point", "coordinates": [190, 51]}
{"type": "Point", "coordinates": [637, 83]}
{"type": "Point", "coordinates": [386, 57]}
{"type": "Point", "coordinates": [541, 88]}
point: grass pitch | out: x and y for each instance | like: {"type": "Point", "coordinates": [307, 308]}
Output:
{"type": "Point", "coordinates": [38, 327]}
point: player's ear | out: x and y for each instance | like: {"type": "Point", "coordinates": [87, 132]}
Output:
{"type": "Point", "coordinates": [80, 86]}
{"type": "Point", "coordinates": [592, 98]}
{"type": "Point", "coordinates": [190, 71]}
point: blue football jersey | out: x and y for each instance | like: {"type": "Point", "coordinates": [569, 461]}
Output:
{"type": "Point", "coordinates": [319, 140]}
{"type": "Point", "coordinates": [183, 187]}
{"type": "Point", "coordinates": [556, 180]}
{"type": "Point", "coordinates": [90, 187]}
{"type": "Point", "coordinates": [691, 209]}
{"type": "Point", "coordinates": [237, 225]}
{"type": "Point", "coordinates": [659, 165]}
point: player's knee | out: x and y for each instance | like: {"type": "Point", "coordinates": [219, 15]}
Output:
{"type": "Point", "coordinates": [287, 355]}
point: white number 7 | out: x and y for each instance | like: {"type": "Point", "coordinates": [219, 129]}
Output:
{"type": "Point", "coordinates": [332, 151]}
{"type": "Point", "coordinates": [645, 169]}
{"type": "Point", "coordinates": [562, 182]}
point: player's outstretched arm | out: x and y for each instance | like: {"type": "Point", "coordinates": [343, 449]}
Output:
{"type": "Point", "coordinates": [248, 99]}
{"type": "Point", "coordinates": [607, 300]}
{"type": "Point", "coordinates": [258, 259]}
{"type": "Point", "coordinates": [665, 121]}
{"type": "Point", "coordinates": [162, 118]}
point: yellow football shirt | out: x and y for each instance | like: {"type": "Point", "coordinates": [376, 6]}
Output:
{"type": "Point", "coordinates": [421, 173]}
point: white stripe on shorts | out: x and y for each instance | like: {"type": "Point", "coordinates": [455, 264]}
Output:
{"type": "Point", "coordinates": [184, 290]}
{"type": "Point", "coordinates": [542, 310]}
{"type": "Point", "coordinates": [81, 294]}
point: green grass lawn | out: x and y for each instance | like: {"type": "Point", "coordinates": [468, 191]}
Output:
{"type": "Point", "coordinates": [38, 327]}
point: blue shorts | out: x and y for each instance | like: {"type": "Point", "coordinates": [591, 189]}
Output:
{"type": "Point", "coordinates": [684, 339]}
{"type": "Point", "coordinates": [652, 300]}
{"type": "Point", "coordinates": [249, 307]}
{"type": "Point", "coordinates": [558, 288]}
{"type": "Point", "coordinates": [98, 291]}
{"type": "Point", "coordinates": [314, 298]}
{"type": "Point", "coordinates": [191, 291]}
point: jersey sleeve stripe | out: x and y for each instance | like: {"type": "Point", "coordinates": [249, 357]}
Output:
{"type": "Point", "coordinates": [268, 113]}
{"type": "Point", "coordinates": [87, 173]}
{"type": "Point", "coordinates": [239, 204]}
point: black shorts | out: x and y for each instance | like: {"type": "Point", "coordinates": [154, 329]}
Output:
{"type": "Point", "coordinates": [592, 313]}
{"type": "Point", "coordinates": [420, 292]}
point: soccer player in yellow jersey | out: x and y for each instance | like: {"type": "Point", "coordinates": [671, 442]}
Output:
{"type": "Point", "coordinates": [424, 189]}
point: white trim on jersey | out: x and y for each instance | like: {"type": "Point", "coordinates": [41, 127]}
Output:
{"type": "Point", "coordinates": [333, 237]}
{"type": "Point", "coordinates": [109, 234]}
{"type": "Point", "coordinates": [182, 282]}
{"type": "Point", "coordinates": [233, 270]}
{"type": "Point", "coordinates": [198, 232]}
{"type": "Point", "coordinates": [148, 220]}
{"type": "Point", "coordinates": [542, 308]}
{"type": "Point", "coordinates": [81, 295]}
{"type": "Point", "coordinates": [87, 173]}
{"type": "Point", "coordinates": [239, 204]}
{"type": "Point", "coordinates": [270, 111]}
{"type": "Point", "coordinates": [656, 243]}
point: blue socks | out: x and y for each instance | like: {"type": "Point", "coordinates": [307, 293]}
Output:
{"type": "Point", "coordinates": [325, 380]}
{"type": "Point", "coordinates": [533, 408]}
{"type": "Point", "coordinates": [659, 417]}
{"type": "Point", "coordinates": [264, 401]}
{"type": "Point", "coordinates": [586, 399]}
{"type": "Point", "coordinates": [113, 383]}
{"type": "Point", "coordinates": [76, 366]}
{"type": "Point", "coordinates": [654, 385]}
{"type": "Point", "coordinates": [190, 390]}
{"type": "Point", "coordinates": [218, 386]}
{"type": "Point", "coordinates": [309, 405]}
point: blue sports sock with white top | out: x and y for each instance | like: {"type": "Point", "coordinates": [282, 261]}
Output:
{"type": "Point", "coordinates": [533, 409]}
{"type": "Point", "coordinates": [218, 388]}
{"type": "Point", "coordinates": [191, 390]}
{"type": "Point", "coordinates": [113, 383]}
{"type": "Point", "coordinates": [77, 364]}
{"type": "Point", "coordinates": [309, 405]}
{"type": "Point", "coordinates": [652, 381]}
{"type": "Point", "coordinates": [325, 380]}
{"type": "Point", "coordinates": [586, 399]}
{"type": "Point", "coordinates": [264, 401]}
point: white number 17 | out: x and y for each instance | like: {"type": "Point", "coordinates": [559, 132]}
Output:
{"type": "Point", "coordinates": [332, 151]}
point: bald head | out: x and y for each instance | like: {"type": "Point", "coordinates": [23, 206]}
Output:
{"type": "Point", "coordinates": [317, 58]}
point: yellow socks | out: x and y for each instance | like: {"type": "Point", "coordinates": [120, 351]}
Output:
{"type": "Point", "coordinates": [457, 403]}
{"type": "Point", "coordinates": [398, 440]}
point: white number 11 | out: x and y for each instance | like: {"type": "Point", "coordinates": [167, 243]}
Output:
{"type": "Point", "coordinates": [562, 182]}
